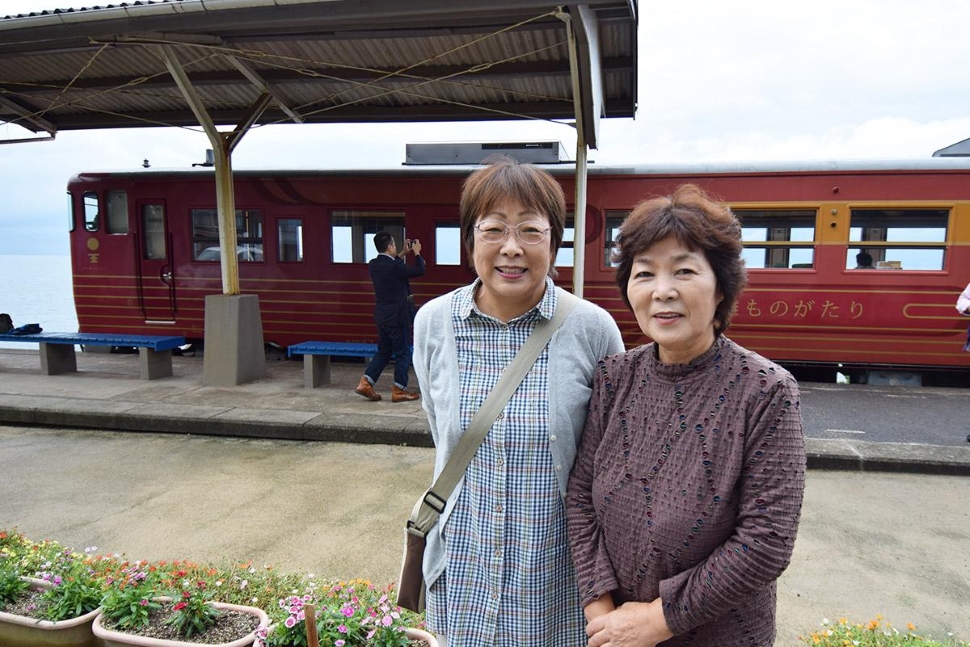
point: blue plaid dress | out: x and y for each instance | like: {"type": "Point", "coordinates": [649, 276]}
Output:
{"type": "Point", "coordinates": [509, 579]}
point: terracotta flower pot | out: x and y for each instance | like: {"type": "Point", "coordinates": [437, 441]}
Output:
{"type": "Point", "coordinates": [113, 638]}
{"type": "Point", "coordinates": [420, 634]}
{"type": "Point", "coordinates": [21, 631]}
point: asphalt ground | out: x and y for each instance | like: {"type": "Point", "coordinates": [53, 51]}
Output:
{"type": "Point", "coordinates": [241, 474]}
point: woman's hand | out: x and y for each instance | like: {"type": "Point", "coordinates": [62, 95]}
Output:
{"type": "Point", "coordinates": [634, 624]}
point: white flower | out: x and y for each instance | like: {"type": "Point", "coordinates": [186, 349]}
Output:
{"type": "Point", "coordinates": [218, 582]}
{"type": "Point", "coordinates": [255, 600]}
{"type": "Point", "coordinates": [244, 584]}
{"type": "Point", "coordinates": [825, 622]}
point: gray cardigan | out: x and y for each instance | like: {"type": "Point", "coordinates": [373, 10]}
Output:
{"type": "Point", "coordinates": [588, 335]}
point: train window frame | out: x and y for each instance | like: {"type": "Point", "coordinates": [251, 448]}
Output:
{"type": "Point", "coordinates": [362, 224]}
{"type": "Point", "coordinates": [447, 244]}
{"type": "Point", "coordinates": [612, 222]}
{"type": "Point", "coordinates": [566, 254]}
{"type": "Point", "coordinates": [116, 206]}
{"type": "Point", "coordinates": [788, 242]}
{"type": "Point", "coordinates": [72, 221]}
{"type": "Point", "coordinates": [154, 243]}
{"type": "Point", "coordinates": [284, 243]}
{"type": "Point", "coordinates": [91, 211]}
{"type": "Point", "coordinates": [899, 247]}
{"type": "Point", "coordinates": [249, 235]}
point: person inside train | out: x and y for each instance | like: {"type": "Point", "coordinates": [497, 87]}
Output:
{"type": "Point", "coordinates": [685, 497]}
{"type": "Point", "coordinates": [863, 261]}
{"type": "Point", "coordinates": [391, 276]}
{"type": "Point", "coordinates": [497, 565]}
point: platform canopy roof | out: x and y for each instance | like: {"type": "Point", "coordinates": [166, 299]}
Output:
{"type": "Point", "coordinates": [318, 61]}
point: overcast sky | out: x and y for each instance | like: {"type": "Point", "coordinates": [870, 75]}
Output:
{"type": "Point", "coordinates": [719, 81]}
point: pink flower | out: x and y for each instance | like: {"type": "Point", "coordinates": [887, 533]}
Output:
{"type": "Point", "coordinates": [387, 621]}
{"type": "Point", "coordinates": [348, 611]}
{"type": "Point", "coordinates": [143, 602]}
{"type": "Point", "coordinates": [179, 606]}
{"type": "Point", "coordinates": [290, 622]}
{"type": "Point", "coordinates": [339, 643]}
{"type": "Point", "coordinates": [342, 629]}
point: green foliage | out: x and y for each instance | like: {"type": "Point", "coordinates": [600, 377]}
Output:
{"type": "Point", "coordinates": [194, 613]}
{"type": "Point", "coordinates": [76, 595]}
{"type": "Point", "coordinates": [128, 601]}
{"type": "Point", "coordinates": [11, 586]}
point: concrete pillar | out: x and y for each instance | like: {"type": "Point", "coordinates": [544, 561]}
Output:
{"type": "Point", "coordinates": [233, 340]}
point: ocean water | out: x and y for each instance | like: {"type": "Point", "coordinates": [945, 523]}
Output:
{"type": "Point", "coordinates": [37, 289]}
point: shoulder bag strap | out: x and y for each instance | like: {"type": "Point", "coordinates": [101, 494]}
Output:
{"type": "Point", "coordinates": [432, 504]}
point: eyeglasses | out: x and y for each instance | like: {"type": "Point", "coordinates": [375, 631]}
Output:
{"type": "Point", "coordinates": [496, 231]}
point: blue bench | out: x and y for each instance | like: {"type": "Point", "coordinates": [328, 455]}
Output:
{"type": "Point", "coordinates": [317, 354]}
{"type": "Point", "coordinates": [57, 350]}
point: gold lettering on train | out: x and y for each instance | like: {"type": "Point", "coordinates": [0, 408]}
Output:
{"type": "Point", "coordinates": [780, 308]}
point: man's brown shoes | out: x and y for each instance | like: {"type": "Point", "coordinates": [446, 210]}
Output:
{"type": "Point", "coordinates": [366, 389]}
{"type": "Point", "coordinates": [400, 395]}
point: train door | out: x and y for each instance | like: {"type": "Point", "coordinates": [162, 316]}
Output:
{"type": "Point", "coordinates": [156, 283]}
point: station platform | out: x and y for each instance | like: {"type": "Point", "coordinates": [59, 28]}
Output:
{"type": "Point", "coordinates": [321, 481]}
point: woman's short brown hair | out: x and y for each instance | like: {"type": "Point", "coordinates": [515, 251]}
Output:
{"type": "Point", "coordinates": [502, 178]}
{"type": "Point", "coordinates": [697, 222]}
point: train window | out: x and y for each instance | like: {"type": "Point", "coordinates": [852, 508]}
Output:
{"type": "Point", "coordinates": [249, 235]}
{"type": "Point", "coordinates": [289, 233]}
{"type": "Point", "coordinates": [117, 206]}
{"type": "Point", "coordinates": [564, 258]}
{"type": "Point", "coordinates": [70, 212]}
{"type": "Point", "coordinates": [92, 211]}
{"type": "Point", "coordinates": [352, 233]}
{"type": "Point", "coordinates": [911, 239]}
{"type": "Point", "coordinates": [153, 228]}
{"type": "Point", "coordinates": [613, 221]}
{"type": "Point", "coordinates": [447, 244]}
{"type": "Point", "coordinates": [778, 238]}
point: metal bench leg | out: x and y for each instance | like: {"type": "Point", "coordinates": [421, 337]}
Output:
{"type": "Point", "coordinates": [57, 358]}
{"type": "Point", "coordinates": [154, 364]}
{"type": "Point", "coordinates": [316, 371]}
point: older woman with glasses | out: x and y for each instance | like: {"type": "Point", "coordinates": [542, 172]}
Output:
{"type": "Point", "coordinates": [497, 563]}
{"type": "Point", "coordinates": [684, 501]}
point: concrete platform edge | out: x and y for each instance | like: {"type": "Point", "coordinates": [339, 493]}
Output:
{"type": "Point", "coordinates": [821, 454]}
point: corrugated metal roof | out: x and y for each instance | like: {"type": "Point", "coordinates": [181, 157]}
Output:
{"type": "Point", "coordinates": [322, 60]}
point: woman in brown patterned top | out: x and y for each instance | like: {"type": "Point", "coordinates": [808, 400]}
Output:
{"type": "Point", "coordinates": [684, 500]}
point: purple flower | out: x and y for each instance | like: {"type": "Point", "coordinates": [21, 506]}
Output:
{"type": "Point", "coordinates": [339, 643]}
{"type": "Point", "coordinates": [342, 629]}
{"type": "Point", "coordinates": [348, 611]}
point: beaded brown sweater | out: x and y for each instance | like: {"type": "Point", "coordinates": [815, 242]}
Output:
{"type": "Point", "coordinates": [688, 486]}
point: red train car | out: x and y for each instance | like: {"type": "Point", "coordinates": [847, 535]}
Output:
{"type": "Point", "coordinates": [145, 253]}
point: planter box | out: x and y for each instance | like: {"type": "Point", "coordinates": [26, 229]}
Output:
{"type": "Point", "coordinates": [21, 631]}
{"type": "Point", "coordinates": [123, 639]}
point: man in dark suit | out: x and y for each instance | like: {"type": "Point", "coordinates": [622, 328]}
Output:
{"type": "Point", "coordinates": [392, 314]}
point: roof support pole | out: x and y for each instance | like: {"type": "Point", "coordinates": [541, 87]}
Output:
{"type": "Point", "coordinates": [225, 198]}
{"type": "Point", "coordinates": [579, 210]}
{"type": "Point", "coordinates": [233, 327]}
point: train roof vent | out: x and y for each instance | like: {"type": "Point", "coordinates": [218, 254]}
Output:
{"type": "Point", "coordinates": [548, 152]}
